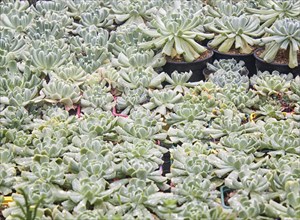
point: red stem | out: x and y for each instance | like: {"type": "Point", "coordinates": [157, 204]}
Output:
{"type": "Point", "coordinates": [78, 111]}
{"type": "Point", "coordinates": [114, 110]}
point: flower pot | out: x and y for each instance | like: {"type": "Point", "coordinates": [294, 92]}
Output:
{"type": "Point", "coordinates": [247, 58]}
{"type": "Point", "coordinates": [224, 192]}
{"type": "Point", "coordinates": [167, 163]}
{"type": "Point", "coordinates": [262, 65]}
{"type": "Point", "coordinates": [196, 67]}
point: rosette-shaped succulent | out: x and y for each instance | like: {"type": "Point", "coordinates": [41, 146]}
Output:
{"type": "Point", "coordinates": [283, 35]}
{"type": "Point", "coordinates": [242, 100]}
{"type": "Point", "coordinates": [43, 7]}
{"type": "Point", "coordinates": [236, 32]}
{"type": "Point", "coordinates": [187, 163]}
{"type": "Point", "coordinates": [98, 18]}
{"type": "Point", "coordinates": [96, 97]}
{"type": "Point", "coordinates": [98, 123]}
{"type": "Point", "coordinates": [179, 81]}
{"type": "Point", "coordinates": [225, 8]}
{"type": "Point", "coordinates": [131, 98]}
{"type": "Point", "coordinates": [57, 91]}
{"type": "Point", "coordinates": [17, 21]}
{"type": "Point", "coordinates": [270, 11]}
{"type": "Point", "coordinates": [187, 112]}
{"type": "Point", "coordinates": [174, 34]}
{"type": "Point", "coordinates": [77, 7]}
{"type": "Point", "coordinates": [12, 46]}
{"type": "Point", "coordinates": [232, 162]}
{"type": "Point", "coordinates": [142, 128]}
{"type": "Point", "coordinates": [189, 132]}
{"type": "Point", "coordinates": [161, 100]}
{"type": "Point", "coordinates": [7, 6]}
{"type": "Point", "coordinates": [230, 78]}
{"type": "Point", "coordinates": [131, 57]}
{"type": "Point", "coordinates": [138, 199]}
{"type": "Point", "coordinates": [227, 65]}
{"type": "Point", "coordinates": [229, 123]}
{"type": "Point", "coordinates": [134, 12]}
{"type": "Point", "coordinates": [294, 95]}
{"type": "Point", "coordinates": [267, 84]}
{"type": "Point", "coordinates": [135, 78]}
{"type": "Point", "coordinates": [49, 55]}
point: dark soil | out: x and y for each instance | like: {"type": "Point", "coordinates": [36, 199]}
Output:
{"type": "Point", "coordinates": [237, 51]}
{"type": "Point", "coordinates": [202, 56]}
{"type": "Point", "coordinates": [282, 56]}
{"type": "Point", "coordinates": [228, 195]}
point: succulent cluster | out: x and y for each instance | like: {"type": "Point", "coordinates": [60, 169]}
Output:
{"type": "Point", "coordinates": [87, 117]}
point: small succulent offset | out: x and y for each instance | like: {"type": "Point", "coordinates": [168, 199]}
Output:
{"type": "Point", "coordinates": [283, 35]}
{"type": "Point", "coordinates": [236, 33]}
{"type": "Point", "coordinates": [7, 178]}
{"type": "Point", "coordinates": [270, 11]}
{"type": "Point", "coordinates": [174, 34]}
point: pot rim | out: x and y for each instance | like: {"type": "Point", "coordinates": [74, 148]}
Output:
{"type": "Point", "coordinates": [228, 54]}
{"type": "Point", "coordinates": [196, 61]}
{"type": "Point", "coordinates": [275, 64]}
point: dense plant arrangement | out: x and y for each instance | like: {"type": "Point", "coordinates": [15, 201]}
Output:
{"type": "Point", "coordinates": [87, 118]}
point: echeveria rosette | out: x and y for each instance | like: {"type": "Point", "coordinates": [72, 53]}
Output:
{"type": "Point", "coordinates": [285, 35]}
{"type": "Point", "coordinates": [175, 34]}
{"type": "Point", "coordinates": [236, 32]}
{"type": "Point", "coordinates": [269, 11]}
{"type": "Point", "coordinates": [225, 8]}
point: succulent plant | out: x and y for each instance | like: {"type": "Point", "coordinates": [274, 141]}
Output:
{"type": "Point", "coordinates": [283, 35]}
{"type": "Point", "coordinates": [57, 91]}
{"type": "Point", "coordinates": [133, 58]}
{"type": "Point", "coordinates": [17, 21]}
{"type": "Point", "coordinates": [186, 112]}
{"type": "Point", "coordinates": [136, 78]}
{"type": "Point", "coordinates": [98, 123]}
{"type": "Point", "coordinates": [189, 132]}
{"type": "Point", "coordinates": [245, 142]}
{"type": "Point", "coordinates": [188, 163]}
{"type": "Point", "coordinates": [48, 55]}
{"type": "Point", "coordinates": [179, 82]}
{"type": "Point", "coordinates": [137, 199]}
{"type": "Point", "coordinates": [131, 98]}
{"type": "Point", "coordinates": [96, 97]}
{"type": "Point", "coordinates": [7, 6]}
{"type": "Point", "coordinates": [272, 10]}
{"type": "Point", "coordinates": [174, 34]}
{"type": "Point", "coordinates": [98, 18]}
{"type": "Point", "coordinates": [12, 45]}
{"type": "Point", "coordinates": [144, 129]}
{"type": "Point", "coordinates": [268, 84]}
{"type": "Point", "coordinates": [133, 12]}
{"type": "Point", "coordinates": [242, 100]}
{"type": "Point", "coordinates": [294, 95]}
{"type": "Point", "coordinates": [163, 100]}
{"type": "Point", "coordinates": [225, 8]}
{"type": "Point", "coordinates": [232, 163]}
{"type": "Point", "coordinates": [230, 78]}
{"type": "Point", "coordinates": [236, 33]}
{"type": "Point", "coordinates": [245, 207]}
{"type": "Point", "coordinates": [227, 65]}
{"type": "Point", "coordinates": [43, 7]}
{"type": "Point", "coordinates": [7, 178]}
{"type": "Point", "coordinates": [229, 123]}
{"type": "Point", "coordinates": [77, 7]}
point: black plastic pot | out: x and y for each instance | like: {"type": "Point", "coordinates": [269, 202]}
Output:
{"type": "Point", "coordinates": [262, 65]}
{"type": "Point", "coordinates": [166, 167]}
{"type": "Point", "coordinates": [196, 67]}
{"type": "Point", "coordinates": [247, 58]}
